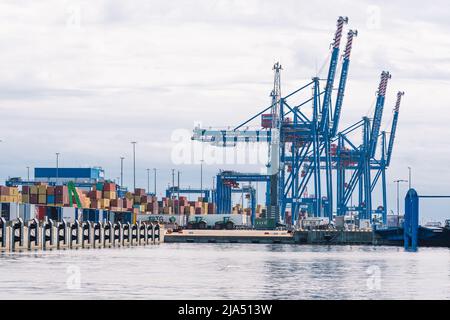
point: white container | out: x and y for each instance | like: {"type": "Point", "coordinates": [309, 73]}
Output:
{"type": "Point", "coordinates": [27, 211]}
{"type": "Point", "coordinates": [162, 218]}
{"type": "Point", "coordinates": [13, 211]}
{"type": "Point", "coordinates": [69, 214]}
{"type": "Point", "coordinates": [364, 224]}
{"type": "Point", "coordinates": [211, 219]}
{"type": "Point", "coordinates": [393, 221]}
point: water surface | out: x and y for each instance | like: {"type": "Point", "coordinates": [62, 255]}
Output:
{"type": "Point", "coordinates": [227, 271]}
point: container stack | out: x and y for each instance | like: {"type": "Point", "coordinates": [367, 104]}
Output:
{"type": "Point", "coordinates": [103, 197]}
{"type": "Point", "coordinates": [9, 194]}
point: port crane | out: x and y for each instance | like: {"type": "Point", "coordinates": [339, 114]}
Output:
{"type": "Point", "coordinates": [300, 132]}
{"type": "Point", "coordinates": [360, 159]}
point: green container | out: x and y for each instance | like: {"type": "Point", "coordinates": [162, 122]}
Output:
{"type": "Point", "coordinates": [264, 224]}
{"type": "Point", "coordinates": [99, 186]}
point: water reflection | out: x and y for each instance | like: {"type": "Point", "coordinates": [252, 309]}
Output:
{"type": "Point", "coordinates": [229, 271]}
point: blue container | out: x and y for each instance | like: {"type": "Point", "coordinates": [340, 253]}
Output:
{"type": "Point", "coordinates": [69, 173]}
{"type": "Point", "coordinates": [54, 213]}
{"type": "Point", "coordinates": [50, 198]}
{"type": "Point", "coordinates": [91, 215]}
{"type": "Point", "coordinates": [106, 215]}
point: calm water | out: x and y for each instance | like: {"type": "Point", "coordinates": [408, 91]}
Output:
{"type": "Point", "coordinates": [227, 271]}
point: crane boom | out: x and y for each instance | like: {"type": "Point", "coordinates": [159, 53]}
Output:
{"type": "Point", "coordinates": [394, 127]}
{"type": "Point", "coordinates": [342, 81]}
{"type": "Point", "coordinates": [230, 137]}
{"type": "Point", "coordinates": [276, 94]}
{"type": "Point", "coordinates": [331, 73]}
{"type": "Point", "coordinates": [378, 115]}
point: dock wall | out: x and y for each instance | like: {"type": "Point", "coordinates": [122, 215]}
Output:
{"type": "Point", "coordinates": [33, 235]}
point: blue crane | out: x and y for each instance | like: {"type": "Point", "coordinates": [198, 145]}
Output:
{"type": "Point", "coordinates": [359, 160]}
{"type": "Point", "coordinates": [342, 82]}
{"type": "Point", "coordinates": [376, 122]}
{"type": "Point", "coordinates": [300, 132]}
{"type": "Point", "coordinates": [324, 122]}
{"type": "Point", "coordinates": [394, 127]}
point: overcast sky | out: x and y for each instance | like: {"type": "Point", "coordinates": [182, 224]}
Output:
{"type": "Point", "coordinates": [84, 78]}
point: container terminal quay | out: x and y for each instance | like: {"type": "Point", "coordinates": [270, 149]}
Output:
{"type": "Point", "coordinates": [316, 168]}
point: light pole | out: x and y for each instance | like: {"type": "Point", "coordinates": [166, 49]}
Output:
{"type": "Point", "coordinates": [134, 164]}
{"type": "Point", "coordinates": [148, 180]}
{"type": "Point", "coordinates": [28, 173]}
{"type": "Point", "coordinates": [398, 199]}
{"type": "Point", "coordinates": [121, 172]}
{"type": "Point", "coordinates": [178, 192]}
{"type": "Point", "coordinates": [57, 167]}
{"type": "Point", "coordinates": [201, 177]}
{"type": "Point", "coordinates": [154, 176]}
{"type": "Point", "coordinates": [409, 171]}
{"type": "Point", "coordinates": [173, 179]}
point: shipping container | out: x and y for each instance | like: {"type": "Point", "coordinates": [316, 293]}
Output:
{"type": "Point", "coordinates": [264, 224]}
{"type": "Point", "coordinates": [54, 213]}
{"type": "Point", "coordinates": [9, 211]}
{"type": "Point", "coordinates": [27, 211]}
{"type": "Point", "coordinates": [123, 217]}
{"type": "Point", "coordinates": [70, 214]}
{"type": "Point", "coordinates": [211, 219]}
{"type": "Point", "coordinates": [41, 212]}
{"type": "Point", "coordinates": [92, 215]}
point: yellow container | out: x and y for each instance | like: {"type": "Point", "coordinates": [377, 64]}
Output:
{"type": "Point", "coordinates": [42, 189]}
{"type": "Point", "coordinates": [109, 195]}
{"type": "Point", "coordinates": [33, 190]}
{"type": "Point", "coordinates": [42, 198]}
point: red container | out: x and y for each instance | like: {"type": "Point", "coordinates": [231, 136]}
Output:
{"type": "Point", "coordinates": [61, 190]}
{"type": "Point", "coordinates": [95, 195]}
{"type": "Point", "coordinates": [41, 211]}
{"type": "Point", "coordinates": [198, 211]}
{"type": "Point", "coordinates": [33, 198]}
{"type": "Point", "coordinates": [4, 191]}
{"type": "Point", "coordinates": [139, 192]}
{"type": "Point", "coordinates": [116, 203]}
{"type": "Point", "coordinates": [61, 199]}
{"type": "Point", "coordinates": [25, 190]}
{"type": "Point", "coordinates": [152, 207]}
{"type": "Point", "coordinates": [109, 186]}
{"type": "Point", "coordinates": [95, 204]}
{"type": "Point", "coordinates": [50, 190]}
{"type": "Point", "coordinates": [127, 203]}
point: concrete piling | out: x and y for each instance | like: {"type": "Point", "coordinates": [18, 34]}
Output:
{"type": "Point", "coordinates": [18, 235]}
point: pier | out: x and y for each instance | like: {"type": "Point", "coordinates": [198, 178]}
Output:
{"type": "Point", "coordinates": [49, 235]}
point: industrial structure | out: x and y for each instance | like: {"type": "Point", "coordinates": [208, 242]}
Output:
{"type": "Point", "coordinates": [311, 164]}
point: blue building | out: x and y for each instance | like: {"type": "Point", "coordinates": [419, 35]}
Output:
{"type": "Point", "coordinates": [63, 175]}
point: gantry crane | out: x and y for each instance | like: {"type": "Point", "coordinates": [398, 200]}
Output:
{"type": "Point", "coordinates": [361, 159]}
{"type": "Point", "coordinates": [300, 131]}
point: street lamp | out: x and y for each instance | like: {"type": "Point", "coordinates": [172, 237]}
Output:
{"type": "Point", "coordinates": [121, 172]}
{"type": "Point", "coordinates": [57, 167]}
{"type": "Point", "coordinates": [28, 173]}
{"type": "Point", "coordinates": [398, 199]}
{"type": "Point", "coordinates": [178, 192]}
{"type": "Point", "coordinates": [201, 177]}
{"type": "Point", "coordinates": [134, 164]}
{"type": "Point", "coordinates": [154, 176]}
{"type": "Point", "coordinates": [148, 180]}
{"type": "Point", "coordinates": [173, 179]}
